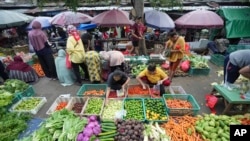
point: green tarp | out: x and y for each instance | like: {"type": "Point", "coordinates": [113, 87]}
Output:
{"type": "Point", "coordinates": [237, 22]}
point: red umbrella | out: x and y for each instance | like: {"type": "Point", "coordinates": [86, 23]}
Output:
{"type": "Point", "coordinates": [112, 18]}
{"type": "Point", "coordinates": [69, 17]}
{"type": "Point", "coordinates": [200, 19]}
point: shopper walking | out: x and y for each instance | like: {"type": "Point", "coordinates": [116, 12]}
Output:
{"type": "Point", "coordinates": [176, 44]}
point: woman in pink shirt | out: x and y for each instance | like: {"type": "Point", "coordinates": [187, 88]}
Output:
{"type": "Point", "coordinates": [115, 58]}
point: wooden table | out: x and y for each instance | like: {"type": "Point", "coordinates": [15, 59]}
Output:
{"type": "Point", "coordinates": [231, 99]}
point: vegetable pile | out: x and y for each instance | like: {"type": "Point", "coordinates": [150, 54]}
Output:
{"type": "Point", "coordinates": [155, 109]}
{"type": "Point", "coordinates": [94, 106]}
{"type": "Point", "coordinates": [5, 98]}
{"type": "Point", "coordinates": [28, 104]}
{"type": "Point", "coordinates": [136, 69]}
{"type": "Point", "coordinates": [12, 124]}
{"type": "Point", "coordinates": [178, 103]}
{"type": "Point", "coordinates": [61, 105]}
{"type": "Point", "coordinates": [94, 92]}
{"type": "Point", "coordinates": [129, 130]}
{"type": "Point", "coordinates": [198, 62]}
{"type": "Point", "coordinates": [37, 67]}
{"type": "Point", "coordinates": [14, 86]}
{"type": "Point", "coordinates": [108, 131]}
{"type": "Point", "coordinates": [213, 127]}
{"type": "Point", "coordinates": [153, 132]}
{"type": "Point", "coordinates": [181, 128]}
{"type": "Point", "coordinates": [134, 109]}
{"type": "Point", "coordinates": [77, 107]}
{"type": "Point", "coordinates": [111, 109]}
{"type": "Point", "coordinates": [91, 130]}
{"type": "Point", "coordinates": [137, 90]}
{"type": "Point", "coordinates": [61, 125]}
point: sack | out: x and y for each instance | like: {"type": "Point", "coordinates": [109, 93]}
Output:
{"type": "Point", "coordinates": [68, 62]}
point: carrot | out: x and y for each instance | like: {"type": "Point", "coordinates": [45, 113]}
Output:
{"type": "Point", "coordinates": [61, 106]}
{"type": "Point", "coordinates": [178, 103]}
{"type": "Point", "coordinates": [37, 67]}
{"type": "Point", "coordinates": [94, 92]}
{"type": "Point", "coordinates": [182, 128]}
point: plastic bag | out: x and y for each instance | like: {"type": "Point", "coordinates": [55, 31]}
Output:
{"type": "Point", "coordinates": [185, 65]}
{"type": "Point", "coordinates": [211, 101]}
{"type": "Point", "coordinates": [68, 62]}
{"type": "Point", "coordinates": [120, 114]}
{"type": "Point", "coordinates": [156, 90]}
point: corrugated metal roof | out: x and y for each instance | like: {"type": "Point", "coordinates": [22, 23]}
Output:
{"type": "Point", "coordinates": [188, 8]}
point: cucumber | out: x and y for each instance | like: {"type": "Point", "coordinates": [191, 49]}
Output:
{"type": "Point", "coordinates": [107, 121]}
{"type": "Point", "coordinates": [107, 130]}
{"type": "Point", "coordinates": [108, 136]}
{"type": "Point", "coordinates": [108, 124]}
{"type": "Point", "coordinates": [107, 139]}
{"type": "Point", "coordinates": [109, 127]}
{"type": "Point", "coordinates": [107, 133]}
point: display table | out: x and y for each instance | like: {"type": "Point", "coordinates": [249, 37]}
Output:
{"type": "Point", "coordinates": [231, 99]}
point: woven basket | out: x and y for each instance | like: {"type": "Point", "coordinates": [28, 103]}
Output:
{"type": "Point", "coordinates": [24, 48]}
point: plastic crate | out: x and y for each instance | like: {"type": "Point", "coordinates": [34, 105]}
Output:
{"type": "Point", "coordinates": [73, 100]}
{"type": "Point", "coordinates": [59, 99]}
{"type": "Point", "coordinates": [198, 71]}
{"type": "Point", "coordinates": [137, 95]}
{"type": "Point", "coordinates": [113, 95]}
{"type": "Point", "coordinates": [232, 48]}
{"type": "Point", "coordinates": [217, 59]}
{"type": "Point", "coordinates": [86, 105]}
{"type": "Point", "coordinates": [114, 112]}
{"type": "Point", "coordinates": [34, 111]}
{"type": "Point", "coordinates": [28, 92]}
{"type": "Point", "coordinates": [176, 90]}
{"type": "Point", "coordinates": [88, 87]}
{"type": "Point", "coordinates": [181, 111]}
{"type": "Point", "coordinates": [142, 107]}
{"type": "Point", "coordinates": [164, 108]}
{"type": "Point", "coordinates": [15, 99]}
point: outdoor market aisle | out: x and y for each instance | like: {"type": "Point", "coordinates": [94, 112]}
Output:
{"type": "Point", "coordinates": [197, 86]}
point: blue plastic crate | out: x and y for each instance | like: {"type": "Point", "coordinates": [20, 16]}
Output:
{"type": "Point", "coordinates": [88, 87]}
{"type": "Point", "coordinates": [28, 92]}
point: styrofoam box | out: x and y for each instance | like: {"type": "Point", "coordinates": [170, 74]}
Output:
{"type": "Point", "coordinates": [32, 111]}
{"type": "Point", "coordinates": [85, 106]}
{"type": "Point", "coordinates": [176, 90]}
{"type": "Point", "coordinates": [56, 102]}
{"type": "Point", "coordinates": [74, 100]}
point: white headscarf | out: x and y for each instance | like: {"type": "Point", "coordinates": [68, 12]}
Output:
{"type": "Point", "coordinates": [104, 55]}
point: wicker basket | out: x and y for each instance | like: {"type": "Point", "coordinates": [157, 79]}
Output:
{"type": "Point", "coordinates": [24, 48]}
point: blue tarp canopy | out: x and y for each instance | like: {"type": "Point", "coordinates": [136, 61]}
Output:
{"type": "Point", "coordinates": [86, 26]}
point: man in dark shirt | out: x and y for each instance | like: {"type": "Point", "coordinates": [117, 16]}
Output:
{"type": "Point", "coordinates": [86, 40]}
{"type": "Point", "coordinates": [117, 80]}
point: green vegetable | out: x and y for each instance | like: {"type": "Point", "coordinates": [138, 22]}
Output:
{"type": "Point", "coordinates": [111, 109]}
{"type": "Point", "coordinates": [94, 106]}
{"type": "Point", "coordinates": [28, 104]}
{"type": "Point", "coordinates": [5, 98]}
{"type": "Point", "coordinates": [15, 85]}
{"type": "Point", "coordinates": [134, 109]}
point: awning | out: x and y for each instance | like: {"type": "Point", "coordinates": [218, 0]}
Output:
{"type": "Point", "coordinates": [46, 11]}
{"type": "Point", "coordinates": [236, 21]}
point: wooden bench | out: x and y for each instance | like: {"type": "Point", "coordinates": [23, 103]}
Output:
{"type": "Point", "coordinates": [231, 99]}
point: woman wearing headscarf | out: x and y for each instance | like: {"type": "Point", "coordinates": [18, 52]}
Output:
{"type": "Point", "coordinates": [93, 61]}
{"type": "Point", "coordinates": [76, 52]}
{"type": "Point", "coordinates": [176, 44]}
{"type": "Point", "coordinates": [65, 75]}
{"type": "Point", "coordinates": [115, 58]}
{"type": "Point", "coordinates": [39, 41]}
{"type": "Point", "coordinates": [22, 71]}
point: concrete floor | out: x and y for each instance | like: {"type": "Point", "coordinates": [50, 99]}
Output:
{"type": "Point", "coordinates": [198, 86]}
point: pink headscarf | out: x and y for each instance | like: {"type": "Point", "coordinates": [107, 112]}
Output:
{"type": "Point", "coordinates": [37, 37]}
{"type": "Point", "coordinates": [19, 65]}
{"type": "Point", "coordinates": [72, 31]}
